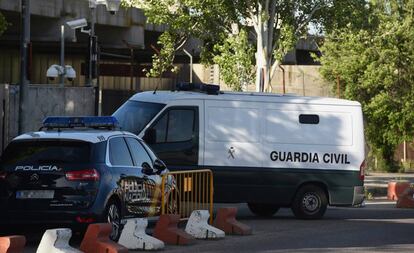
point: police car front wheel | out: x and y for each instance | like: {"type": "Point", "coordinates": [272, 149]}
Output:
{"type": "Point", "coordinates": [310, 202]}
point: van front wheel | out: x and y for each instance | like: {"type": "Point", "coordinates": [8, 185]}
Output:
{"type": "Point", "coordinates": [310, 202]}
{"type": "Point", "coordinates": [263, 210]}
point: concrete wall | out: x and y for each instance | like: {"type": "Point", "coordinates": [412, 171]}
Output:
{"type": "Point", "coordinates": [10, 69]}
{"type": "Point", "coordinates": [301, 80]}
{"type": "Point", "coordinates": [44, 101]}
{"type": "Point", "coordinates": [47, 16]}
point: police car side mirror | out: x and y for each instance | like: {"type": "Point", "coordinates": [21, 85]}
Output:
{"type": "Point", "coordinates": [159, 166]}
{"type": "Point", "coordinates": [150, 136]}
{"type": "Point", "coordinates": [146, 169]}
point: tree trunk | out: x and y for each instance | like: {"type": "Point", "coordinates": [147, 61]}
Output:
{"type": "Point", "coordinates": [264, 30]}
{"type": "Point", "coordinates": [261, 65]}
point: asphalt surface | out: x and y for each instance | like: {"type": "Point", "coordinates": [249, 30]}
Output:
{"type": "Point", "coordinates": [377, 227]}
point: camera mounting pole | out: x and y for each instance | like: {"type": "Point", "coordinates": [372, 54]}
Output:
{"type": "Point", "coordinates": [62, 54]}
{"type": "Point", "coordinates": [92, 56]}
{"type": "Point", "coordinates": [24, 79]}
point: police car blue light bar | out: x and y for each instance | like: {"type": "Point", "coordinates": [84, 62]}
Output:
{"type": "Point", "coordinates": [70, 122]}
{"type": "Point", "coordinates": [210, 89]}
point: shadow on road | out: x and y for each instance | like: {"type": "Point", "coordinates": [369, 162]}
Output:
{"type": "Point", "coordinates": [374, 228]}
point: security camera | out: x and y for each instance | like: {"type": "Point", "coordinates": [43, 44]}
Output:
{"type": "Point", "coordinates": [70, 73]}
{"type": "Point", "coordinates": [53, 72]}
{"type": "Point", "coordinates": [112, 6]}
{"type": "Point", "coordinates": [77, 23]}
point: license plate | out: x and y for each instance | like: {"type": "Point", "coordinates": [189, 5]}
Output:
{"type": "Point", "coordinates": [42, 194]}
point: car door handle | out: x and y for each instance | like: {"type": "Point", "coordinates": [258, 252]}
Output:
{"type": "Point", "coordinates": [123, 175]}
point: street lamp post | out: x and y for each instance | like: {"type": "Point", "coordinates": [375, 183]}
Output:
{"type": "Point", "coordinates": [191, 64]}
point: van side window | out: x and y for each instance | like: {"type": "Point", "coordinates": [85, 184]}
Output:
{"type": "Point", "coordinates": [180, 125]}
{"type": "Point", "coordinates": [175, 126]}
{"type": "Point", "coordinates": [176, 136]}
{"type": "Point", "coordinates": [309, 119]}
{"type": "Point", "coordinates": [161, 129]}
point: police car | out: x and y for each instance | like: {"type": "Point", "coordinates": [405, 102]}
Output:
{"type": "Point", "coordinates": [79, 170]}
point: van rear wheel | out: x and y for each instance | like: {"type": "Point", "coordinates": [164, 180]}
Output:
{"type": "Point", "coordinates": [263, 210]}
{"type": "Point", "coordinates": [310, 202]}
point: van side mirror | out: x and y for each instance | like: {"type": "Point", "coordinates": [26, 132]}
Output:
{"type": "Point", "coordinates": [159, 166]}
{"type": "Point", "coordinates": [150, 136]}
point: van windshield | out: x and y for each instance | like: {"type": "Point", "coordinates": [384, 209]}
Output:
{"type": "Point", "coordinates": [133, 116]}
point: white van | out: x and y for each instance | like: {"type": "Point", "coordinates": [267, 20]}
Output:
{"type": "Point", "coordinates": [268, 150]}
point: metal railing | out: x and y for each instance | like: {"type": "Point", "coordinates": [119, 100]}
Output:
{"type": "Point", "coordinates": [191, 190]}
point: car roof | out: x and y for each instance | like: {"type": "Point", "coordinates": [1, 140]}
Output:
{"type": "Point", "coordinates": [167, 96]}
{"type": "Point", "coordinates": [92, 136]}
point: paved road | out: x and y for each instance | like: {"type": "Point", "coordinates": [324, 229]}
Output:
{"type": "Point", "coordinates": [378, 227]}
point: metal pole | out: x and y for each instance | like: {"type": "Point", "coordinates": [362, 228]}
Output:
{"type": "Point", "coordinates": [191, 64]}
{"type": "Point", "coordinates": [283, 80]}
{"type": "Point", "coordinates": [338, 86]}
{"type": "Point", "coordinates": [131, 69]}
{"type": "Point", "coordinates": [24, 82]}
{"type": "Point", "coordinates": [92, 6]}
{"type": "Point", "coordinates": [62, 55]}
{"type": "Point", "coordinates": [98, 83]}
{"type": "Point", "coordinates": [405, 151]}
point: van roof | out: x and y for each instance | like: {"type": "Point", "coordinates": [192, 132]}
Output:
{"type": "Point", "coordinates": [167, 96]}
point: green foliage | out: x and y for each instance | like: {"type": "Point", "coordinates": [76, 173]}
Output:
{"type": "Point", "coordinates": [3, 24]}
{"type": "Point", "coordinates": [163, 61]}
{"type": "Point", "coordinates": [287, 42]}
{"type": "Point", "coordinates": [274, 26]}
{"type": "Point", "coordinates": [340, 14]}
{"type": "Point", "coordinates": [376, 68]}
{"type": "Point", "coordinates": [235, 59]}
{"type": "Point", "coordinates": [206, 21]}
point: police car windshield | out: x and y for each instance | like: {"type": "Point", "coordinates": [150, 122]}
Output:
{"type": "Point", "coordinates": [46, 152]}
{"type": "Point", "coordinates": [133, 116]}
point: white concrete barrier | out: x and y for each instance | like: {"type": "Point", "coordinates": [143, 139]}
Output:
{"type": "Point", "coordinates": [56, 241]}
{"type": "Point", "coordinates": [133, 236]}
{"type": "Point", "coordinates": [198, 227]}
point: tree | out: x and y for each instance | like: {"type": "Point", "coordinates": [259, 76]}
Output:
{"type": "Point", "coordinates": [3, 24]}
{"type": "Point", "coordinates": [273, 25]}
{"type": "Point", "coordinates": [163, 60]}
{"type": "Point", "coordinates": [185, 19]}
{"type": "Point", "coordinates": [235, 60]}
{"type": "Point", "coordinates": [376, 68]}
